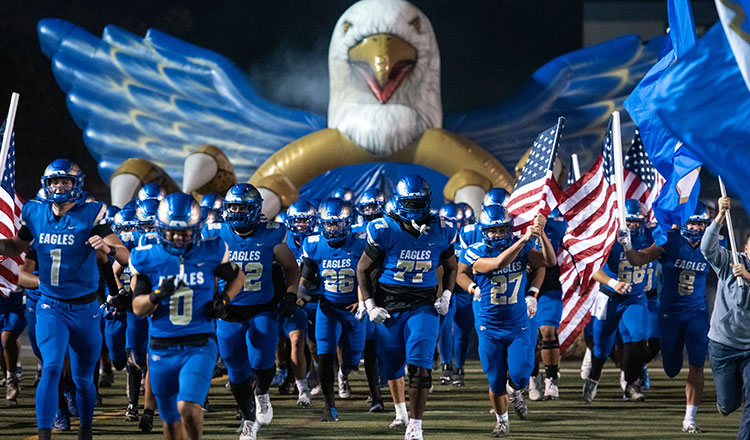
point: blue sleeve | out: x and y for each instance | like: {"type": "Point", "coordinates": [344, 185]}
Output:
{"type": "Point", "coordinates": [376, 235]}
{"type": "Point", "coordinates": [27, 216]}
{"type": "Point", "coordinates": [471, 254]}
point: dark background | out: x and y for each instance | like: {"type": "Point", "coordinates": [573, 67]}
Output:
{"type": "Point", "coordinates": [488, 49]}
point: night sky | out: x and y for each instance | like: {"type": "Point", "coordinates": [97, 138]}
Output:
{"type": "Point", "coordinates": [488, 49]}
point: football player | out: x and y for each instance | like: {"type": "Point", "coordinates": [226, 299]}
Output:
{"type": "Point", "coordinates": [173, 284]}
{"type": "Point", "coordinates": [248, 331]}
{"type": "Point", "coordinates": [333, 256]}
{"type": "Point", "coordinates": [549, 310]}
{"type": "Point", "coordinates": [408, 245]}
{"type": "Point", "coordinates": [683, 313]}
{"type": "Point", "coordinates": [625, 285]}
{"type": "Point", "coordinates": [301, 219]}
{"type": "Point", "coordinates": [211, 207]}
{"type": "Point", "coordinates": [498, 267]}
{"type": "Point", "coordinates": [68, 233]}
{"type": "Point", "coordinates": [370, 206]}
{"type": "Point", "coordinates": [453, 213]}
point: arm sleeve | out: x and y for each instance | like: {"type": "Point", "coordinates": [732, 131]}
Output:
{"type": "Point", "coordinates": [142, 285]}
{"type": "Point", "coordinates": [101, 230]}
{"type": "Point", "coordinates": [375, 253]}
{"type": "Point", "coordinates": [25, 233]}
{"type": "Point", "coordinates": [447, 253]}
{"type": "Point", "coordinates": [309, 269]}
{"type": "Point", "coordinates": [717, 256]}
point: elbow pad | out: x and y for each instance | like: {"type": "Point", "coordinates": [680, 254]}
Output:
{"type": "Point", "coordinates": [227, 271]}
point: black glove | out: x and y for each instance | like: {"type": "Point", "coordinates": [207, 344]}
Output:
{"type": "Point", "coordinates": [217, 309]}
{"type": "Point", "coordinates": [165, 290]}
{"type": "Point", "coordinates": [123, 300]}
{"type": "Point", "coordinates": [288, 305]}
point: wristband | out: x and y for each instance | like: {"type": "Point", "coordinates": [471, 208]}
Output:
{"type": "Point", "coordinates": [533, 290]}
{"type": "Point", "coordinates": [112, 251]}
{"type": "Point", "coordinates": [472, 286]}
{"type": "Point", "coordinates": [612, 283]}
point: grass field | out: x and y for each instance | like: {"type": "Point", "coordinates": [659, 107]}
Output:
{"type": "Point", "coordinates": [451, 413]}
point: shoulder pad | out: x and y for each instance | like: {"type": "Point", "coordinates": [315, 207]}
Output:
{"type": "Point", "coordinates": [379, 223]}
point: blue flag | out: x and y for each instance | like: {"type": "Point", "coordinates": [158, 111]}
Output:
{"type": "Point", "coordinates": [704, 101]}
{"type": "Point", "coordinates": [677, 165]}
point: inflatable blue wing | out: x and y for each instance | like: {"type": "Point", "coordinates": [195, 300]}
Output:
{"type": "Point", "coordinates": [585, 86]}
{"type": "Point", "coordinates": [160, 98]}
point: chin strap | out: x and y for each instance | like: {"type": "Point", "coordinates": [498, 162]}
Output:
{"type": "Point", "coordinates": [420, 228]}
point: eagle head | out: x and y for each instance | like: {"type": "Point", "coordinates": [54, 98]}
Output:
{"type": "Point", "coordinates": [384, 68]}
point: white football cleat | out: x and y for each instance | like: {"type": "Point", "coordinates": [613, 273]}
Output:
{"type": "Point", "coordinates": [413, 433]}
{"type": "Point", "coordinates": [345, 391]}
{"type": "Point", "coordinates": [304, 398]}
{"type": "Point", "coordinates": [264, 413]}
{"type": "Point", "coordinates": [535, 387]}
{"type": "Point", "coordinates": [249, 430]}
{"type": "Point", "coordinates": [399, 423]}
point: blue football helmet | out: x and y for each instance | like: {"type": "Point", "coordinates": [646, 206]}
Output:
{"type": "Point", "coordinates": [411, 198]}
{"type": "Point", "coordinates": [496, 217]}
{"type": "Point", "coordinates": [109, 216]}
{"type": "Point", "coordinates": [371, 204]}
{"type": "Point", "coordinates": [145, 214]}
{"type": "Point", "coordinates": [41, 195]}
{"type": "Point", "coordinates": [151, 191]}
{"type": "Point", "coordinates": [700, 215]}
{"type": "Point", "coordinates": [211, 206]}
{"type": "Point", "coordinates": [125, 220]}
{"type": "Point", "coordinates": [67, 169]}
{"type": "Point", "coordinates": [451, 211]}
{"type": "Point", "coordinates": [343, 193]}
{"type": "Point", "coordinates": [178, 214]}
{"type": "Point", "coordinates": [242, 206]}
{"type": "Point", "coordinates": [336, 218]}
{"type": "Point", "coordinates": [300, 219]}
{"type": "Point", "coordinates": [495, 196]}
{"type": "Point", "coordinates": [634, 212]}
{"type": "Point", "coordinates": [468, 214]}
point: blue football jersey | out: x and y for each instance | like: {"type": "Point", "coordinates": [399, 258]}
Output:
{"type": "Point", "coordinates": [684, 270]}
{"type": "Point", "coordinates": [67, 265]}
{"type": "Point", "coordinates": [254, 255]}
{"type": "Point", "coordinates": [34, 294]}
{"type": "Point", "coordinates": [555, 231]}
{"type": "Point", "coordinates": [469, 235]}
{"type": "Point", "coordinates": [337, 267]}
{"type": "Point", "coordinates": [502, 303]}
{"type": "Point", "coordinates": [618, 268]}
{"type": "Point", "coordinates": [183, 313]}
{"type": "Point", "coordinates": [409, 260]}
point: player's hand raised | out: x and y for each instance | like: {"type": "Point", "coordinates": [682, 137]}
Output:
{"type": "Point", "coordinates": [623, 237]}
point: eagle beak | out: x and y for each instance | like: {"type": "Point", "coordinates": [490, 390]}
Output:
{"type": "Point", "coordinates": [384, 61]}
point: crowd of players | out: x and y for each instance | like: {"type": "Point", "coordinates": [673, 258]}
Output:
{"type": "Point", "coordinates": [165, 287]}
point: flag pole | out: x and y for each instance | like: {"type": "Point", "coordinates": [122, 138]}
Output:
{"type": "Point", "coordinates": [730, 231]}
{"type": "Point", "coordinates": [11, 119]}
{"type": "Point", "coordinates": [576, 167]}
{"type": "Point", "coordinates": [617, 153]}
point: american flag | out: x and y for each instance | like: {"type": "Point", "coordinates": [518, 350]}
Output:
{"type": "Point", "coordinates": [640, 178]}
{"type": "Point", "coordinates": [536, 191]}
{"type": "Point", "coordinates": [10, 217]}
{"type": "Point", "coordinates": [589, 206]}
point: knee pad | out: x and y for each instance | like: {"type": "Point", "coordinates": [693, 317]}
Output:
{"type": "Point", "coordinates": [420, 381]}
{"type": "Point", "coordinates": [551, 345]}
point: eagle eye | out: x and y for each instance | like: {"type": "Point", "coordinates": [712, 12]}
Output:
{"type": "Point", "coordinates": [347, 25]}
{"type": "Point", "coordinates": [416, 22]}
